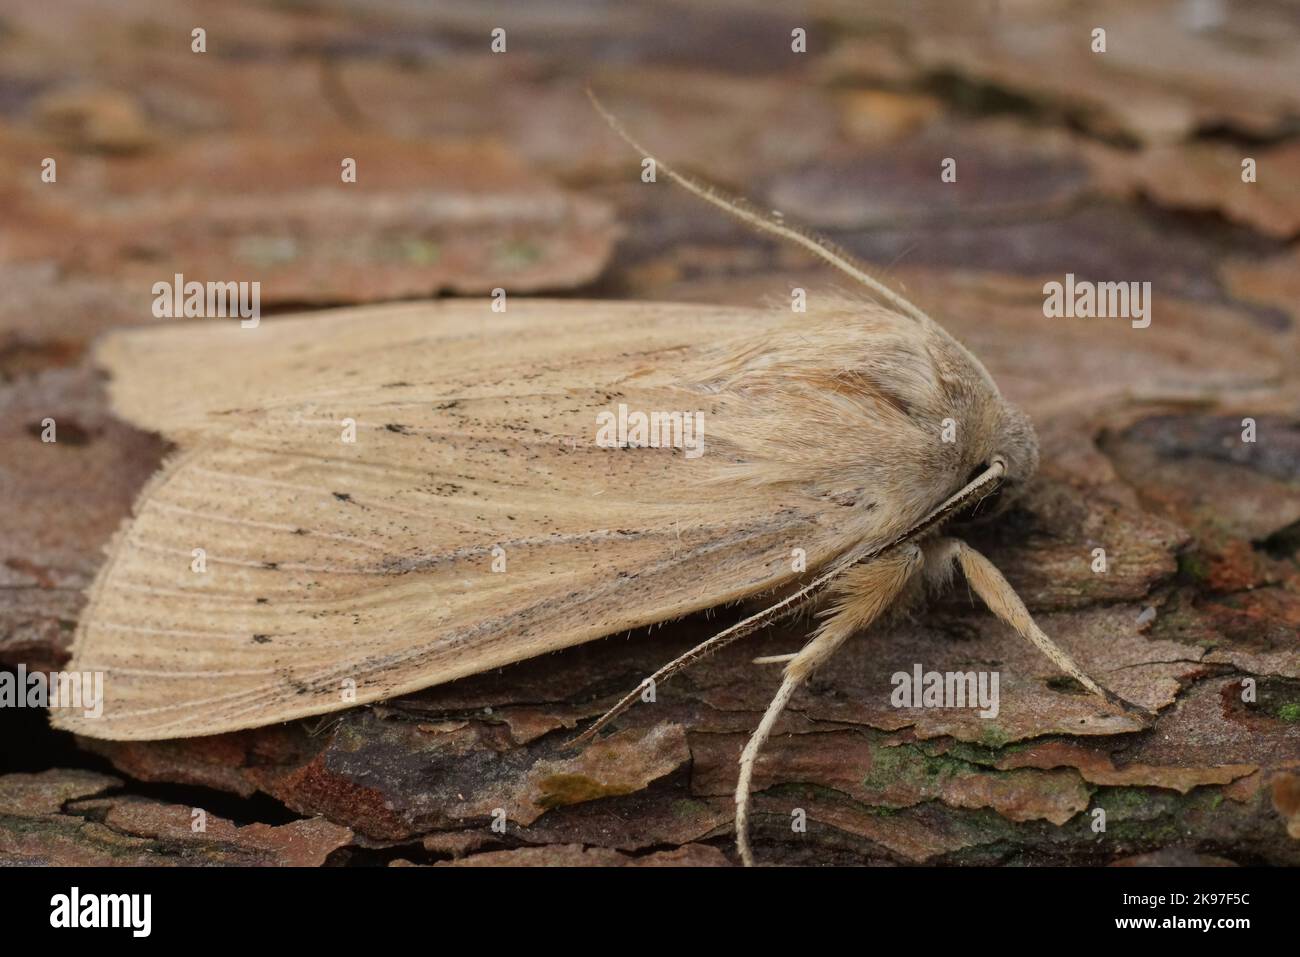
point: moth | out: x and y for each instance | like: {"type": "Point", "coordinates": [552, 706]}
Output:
{"type": "Point", "coordinates": [368, 502]}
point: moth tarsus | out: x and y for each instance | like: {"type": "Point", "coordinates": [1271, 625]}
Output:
{"type": "Point", "coordinates": [775, 659]}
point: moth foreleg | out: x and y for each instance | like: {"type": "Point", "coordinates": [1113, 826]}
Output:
{"type": "Point", "coordinates": [861, 594]}
{"type": "Point", "coordinates": [996, 592]}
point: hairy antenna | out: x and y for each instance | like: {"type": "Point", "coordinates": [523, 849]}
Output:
{"type": "Point", "coordinates": [746, 212]}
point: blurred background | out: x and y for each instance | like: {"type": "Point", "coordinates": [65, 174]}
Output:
{"type": "Point", "coordinates": [479, 169]}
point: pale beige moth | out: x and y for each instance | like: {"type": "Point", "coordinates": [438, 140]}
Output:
{"type": "Point", "coordinates": [275, 570]}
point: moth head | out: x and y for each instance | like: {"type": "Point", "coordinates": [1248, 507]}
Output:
{"type": "Point", "coordinates": [1017, 446]}
{"type": "Point", "coordinates": [1013, 454]}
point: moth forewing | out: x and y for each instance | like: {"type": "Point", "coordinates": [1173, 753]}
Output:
{"type": "Point", "coordinates": [337, 573]}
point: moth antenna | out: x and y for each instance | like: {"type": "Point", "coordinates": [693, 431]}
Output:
{"type": "Point", "coordinates": [864, 593]}
{"type": "Point", "coordinates": [786, 606]}
{"type": "Point", "coordinates": [751, 215]}
{"type": "Point", "coordinates": [996, 592]}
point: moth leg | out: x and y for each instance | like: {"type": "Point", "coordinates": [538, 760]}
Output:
{"type": "Point", "coordinates": [861, 594]}
{"type": "Point", "coordinates": [775, 612]}
{"type": "Point", "coordinates": [996, 592]}
{"type": "Point", "coordinates": [775, 659]}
